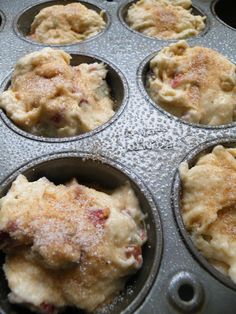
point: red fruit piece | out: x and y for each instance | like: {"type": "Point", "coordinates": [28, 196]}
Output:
{"type": "Point", "coordinates": [48, 308]}
{"type": "Point", "coordinates": [56, 118]}
{"type": "Point", "coordinates": [99, 216]}
{"type": "Point", "coordinates": [143, 235]}
{"type": "Point", "coordinates": [12, 226]}
{"type": "Point", "coordinates": [136, 252]}
{"type": "Point", "coordinates": [176, 80]}
{"type": "Point", "coordinates": [83, 100]}
{"type": "Point", "coordinates": [83, 103]}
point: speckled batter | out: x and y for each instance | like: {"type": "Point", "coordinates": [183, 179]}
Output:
{"type": "Point", "coordinates": [209, 207]}
{"type": "Point", "coordinates": [69, 244]}
{"type": "Point", "coordinates": [63, 24]}
{"type": "Point", "coordinates": [197, 84]}
{"type": "Point", "coordinates": [48, 97]}
{"type": "Point", "coordinates": [165, 19]}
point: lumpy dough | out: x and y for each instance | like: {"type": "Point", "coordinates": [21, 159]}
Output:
{"type": "Point", "coordinates": [209, 207]}
{"type": "Point", "coordinates": [165, 19]}
{"type": "Point", "coordinates": [69, 244]}
{"type": "Point", "coordinates": [197, 84]}
{"type": "Point", "coordinates": [49, 97]}
{"type": "Point", "coordinates": [63, 24]}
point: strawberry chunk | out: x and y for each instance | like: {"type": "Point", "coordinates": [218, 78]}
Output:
{"type": "Point", "coordinates": [12, 226]}
{"type": "Point", "coordinates": [47, 308]}
{"type": "Point", "coordinates": [56, 118]}
{"type": "Point", "coordinates": [143, 235]}
{"type": "Point", "coordinates": [177, 80]}
{"type": "Point", "coordinates": [83, 102]}
{"type": "Point", "coordinates": [99, 216]}
{"type": "Point", "coordinates": [136, 252]}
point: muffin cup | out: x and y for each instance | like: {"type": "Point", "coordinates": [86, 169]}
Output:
{"type": "Point", "coordinates": [119, 93]}
{"type": "Point", "coordinates": [24, 19]}
{"type": "Point", "coordinates": [192, 158]}
{"type": "Point", "coordinates": [90, 170]}
{"type": "Point", "coordinates": [142, 74]}
{"type": "Point", "coordinates": [224, 10]}
{"type": "Point", "coordinates": [122, 14]}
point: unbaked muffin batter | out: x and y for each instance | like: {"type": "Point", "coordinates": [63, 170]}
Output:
{"type": "Point", "coordinates": [49, 97]}
{"type": "Point", "coordinates": [69, 244]}
{"type": "Point", "coordinates": [64, 24]}
{"type": "Point", "coordinates": [197, 84]}
{"type": "Point", "coordinates": [209, 207]}
{"type": "Point", "coordinates": [165, 19]}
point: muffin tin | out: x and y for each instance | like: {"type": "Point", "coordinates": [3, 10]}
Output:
{"type": "Point", "coordinates": [141, 142]}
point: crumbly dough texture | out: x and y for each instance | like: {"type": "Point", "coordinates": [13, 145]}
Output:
{"type": "Point", "coordinates": [197, 84]}
{"type": "Point", "coordinates": [165, 19]}
{"type": "Point", "coordinates": [209, 207]}
{"type": "Point", "coordinates": [64, 24]}
{"type": "Point", "coordinates": [69, 244]}
{"type": "Point", "coordinates": [49, 97]}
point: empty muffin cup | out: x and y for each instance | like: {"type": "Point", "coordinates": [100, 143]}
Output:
{"type": "Point", "coordinates": [177, 194]}
{"type": "Point", "coordinates": [108, 175]}
{"type": "Point", "coordinates": [117, 85]}
{"type": "Point", "coordinates": [22, 22]}
{"type": "Point", "coordinates": [224, 10]}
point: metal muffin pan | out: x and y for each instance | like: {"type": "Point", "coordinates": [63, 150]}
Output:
{"type": "Point", "coordinates": [144, 140]}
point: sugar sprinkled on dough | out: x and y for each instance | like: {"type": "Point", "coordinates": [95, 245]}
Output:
{"type": "Point", "coordinates": [80, 241]}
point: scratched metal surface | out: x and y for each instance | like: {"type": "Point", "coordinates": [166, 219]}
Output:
{"type": "Point", "coordinates": [147, 141]}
